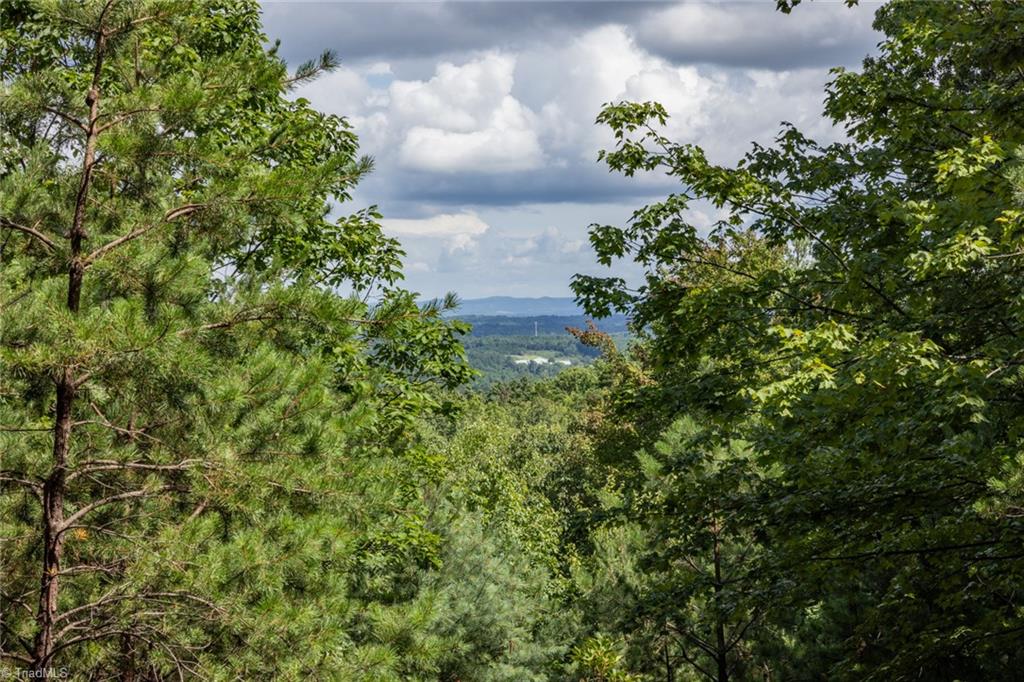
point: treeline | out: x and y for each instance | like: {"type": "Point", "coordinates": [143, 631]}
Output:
{"type": "Point", "coordinates": [807, 465]}
{"type": "Point", "coordinates": [504, 325]}
{"type": "Point", "coordinates": [493, 357]}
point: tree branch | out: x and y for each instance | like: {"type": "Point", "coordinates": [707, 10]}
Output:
{"type": "Point", "coordinates": [170, 216]}
{"type": "Point", "coordinates": [124, 117]}
{"type": "Point", "coordinates": [35, 487]}
{"type": "Point", "coordinates": [160, 597]}
{"type": "Point", "coordinates": [113, 465]}
{"type": "Point", "coordinates": [905, 552]}
{"type": "Point", "coordinates": [66, 117]}
{"type": "Point", "coordinates": [31, 231]}
{"type": "Point", "coordinates": [131, 494]}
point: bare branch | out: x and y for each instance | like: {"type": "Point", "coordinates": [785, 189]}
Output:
{"type": "Point", "coordinates": [17, 657]}
{"type": "Point", "coordinates": [23, 642]}
{"type": "Point", "coordinates": [120, 497]}
{"type": "Point", "coordinates": [124, 117]}
{"type": "Point", "coordinates": [113, 465]}
{"type": "Point", "coordinates": [181, 211]}
{"type": "Point", "coordinates": [104, 633]}
{"type": "Point", "coordinates": [701, 643]}
{"type": "Point", "coordinates": [91, 610]}
{"type": "Point", "coordinates": [170, 216]}
{"type": "Point", "coordinates": [79, 569]}
{"type": "Point", "coordinates": [258, 314]}
{"type": "Point", "coordinates": [737, 636]}
{"type": "Point", "coordinates": [31, 231]}
{"type": "Point", "coordinates": [131, 432]}
{"type": "Point", "coordinates": [35, 487]}
{"type": "Point", "coordinates": [66, 117]}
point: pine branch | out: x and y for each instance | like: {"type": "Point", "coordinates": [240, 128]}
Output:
{"type": "Point", "coordinates": [120, 497]}
{"type": "Point", "coordinates": [31, 231]}
{"type": "Point", "coordinates": [22, 641]}
{"type": "Point", "coordinates": [141, 631]}
{"type": "Point", "coordinates": [156, 597]}
{"type": "Point", "coordinates": [16, 657]}
{"type": "Point", "coordinates": [310, 70]}
{"type": "Point", "coordinates": [35, 487]}
{"type": "Point", "coordinates": [66, 117]}
{"type": "Point", "coordinates": [78, 569]}
{"type": "Point", "coordinates": [112, 465]}
{"type": "Point", "coordinates": [124, 117]}
{"type": "Point", "coordinates": [132, 432]}
{"type": "Point", "coordinates": [170, 216]}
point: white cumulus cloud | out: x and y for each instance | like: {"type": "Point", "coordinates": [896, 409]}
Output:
{"type": "Point", "coordinates": [443, 225]}
{"type": "Point", "coordinates": [464, 119]}
{"type": "Point", "coordinates": [477, 139]}
{"type": "Point", "coordinates": [457, 231]}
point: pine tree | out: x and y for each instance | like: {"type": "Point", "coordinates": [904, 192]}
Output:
{"type": "Point", "coordinates": [197, 460]}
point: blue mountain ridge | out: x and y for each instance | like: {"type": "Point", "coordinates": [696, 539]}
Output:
{"type": "Point", "coordinates": [511, 306]}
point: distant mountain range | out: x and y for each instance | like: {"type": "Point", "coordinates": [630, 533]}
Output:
{"type": "Point", "coordinates": [510, 306]}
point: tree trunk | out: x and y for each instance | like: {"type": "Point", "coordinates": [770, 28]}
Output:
{"type": "Point", "coordinates": [54, 488]}
{"type": "Point", "coordinates": [53, 525]}
{"type": "Point", "coordinates": [128, 672]}
{"type": "Point", "coordinates": [721, 648]}
{"type": "Point", "coordinates": [669, 673]}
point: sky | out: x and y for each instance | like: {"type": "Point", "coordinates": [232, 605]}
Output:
{"type": "Point", "coordinates": [480, 115]}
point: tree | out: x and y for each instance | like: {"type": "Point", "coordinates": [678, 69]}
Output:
{"type": "Point", "coordinates": [677, 568]}
{"type": "Point", "coordinates": [700, 548]}
{"type": "Point", "coordinates": [871, 354]}
{"type": "Point", "coordinates": [194, 424]}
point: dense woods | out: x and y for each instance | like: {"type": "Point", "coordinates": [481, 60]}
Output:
{"type": "Point", "coordinates": [234, 447]}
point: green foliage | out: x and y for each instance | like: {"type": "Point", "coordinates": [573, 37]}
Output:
{"type": "Point", "coordinates": [498, 616]}
{"type": "Point", "coordinates": [699, 594]}
{"type": "Point", "coordinates": [214, 466]}
{"type": "Point", "coordinates": [853, 320]}
{"type": "Point", "coordinates": [521, 466]}
{"type": "Point", "coordinates": [209, 466]}
{"type": "Point", "coordinates": [598, 660]}
{"type": "Point", "coordinates": [514, 457]}
{"type": "Point", "coordinates": [494, 356]}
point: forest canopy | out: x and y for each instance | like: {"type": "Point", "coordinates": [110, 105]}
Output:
{"type": "Point", "coordinates": [233, 446]}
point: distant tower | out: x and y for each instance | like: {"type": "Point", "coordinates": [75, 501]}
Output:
{"type": "Point", "coordinates": [535, 332]}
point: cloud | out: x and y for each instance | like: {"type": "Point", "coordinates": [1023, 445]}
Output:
{"type": "Point", "coordinates": [443, 225]}
{"type": "Point", "coordinates": [755, 35]}
{"type": "Point", "coordinates": [392, 31]}
{"type": "Point", "coordinates": [515, 124]}
{"type": "Point", "coordinates": [379, 69]}
{"type": "Point", "coordinates": [496, 149]}
{"type": "Point", "coordinates": [600, 66]}
{"type": "Point", "coordinates": [550, 247]}
{"type": "Point", "coordinates": [734, 34]}
{"type": "Point", "coordinates": [458, 97]}
{"type": "Point", "coordinates": [481, 115]}
{"type": "Point", "coordinates": [457, 230]}
{"type": "Point", "coordinates": [501, 129]}
{"type": "Point", "coordinates": [465, 119]}
{"type": "Point", "coordinates": [528, 251]}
